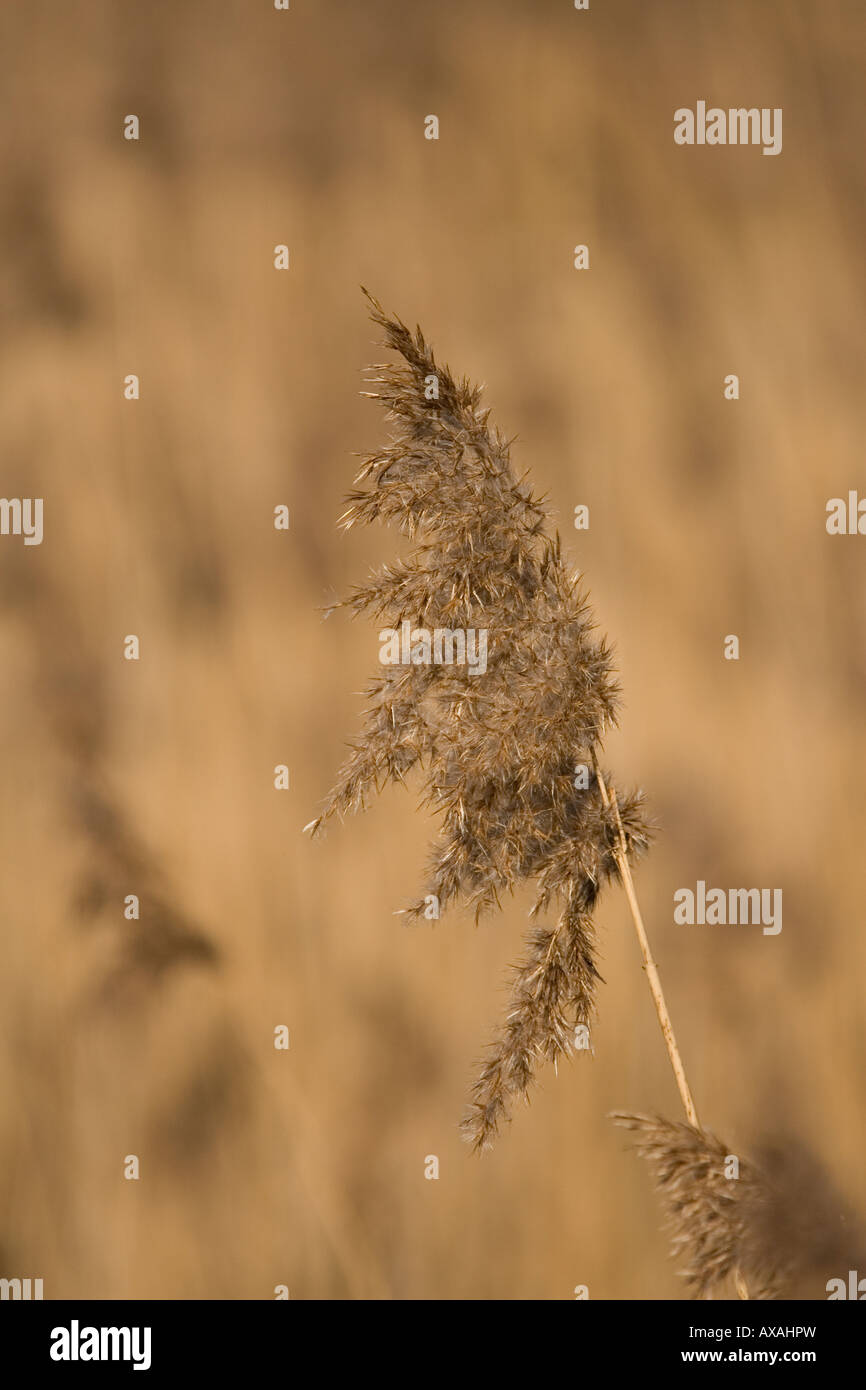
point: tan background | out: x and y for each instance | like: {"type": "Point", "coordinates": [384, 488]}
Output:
{"type": "Point", "coordinates": [707, 518]}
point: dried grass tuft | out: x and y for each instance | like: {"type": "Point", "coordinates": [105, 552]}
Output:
{"type": "Point", "coordinates": [713, 1219]}
{"type": "Point", "coordinates": [498, 752]}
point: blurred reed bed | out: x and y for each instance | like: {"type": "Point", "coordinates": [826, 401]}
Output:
{"type": "Point", "coordinates": [306, 1168]}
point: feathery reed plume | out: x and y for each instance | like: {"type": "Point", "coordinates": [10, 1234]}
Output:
{"type": "Point", "coordinates": [713, 1219]}
{"type": "Point", "coordinates": [509, 755]}
{"type": "Point", "coordinates": [779, 1230]}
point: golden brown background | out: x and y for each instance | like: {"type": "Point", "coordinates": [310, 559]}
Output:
{"type": "Point", "coordinates": [707, 518]}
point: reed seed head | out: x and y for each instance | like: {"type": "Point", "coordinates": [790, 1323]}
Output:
{"type": "Point", "coordinates": [714, 1217]}
{"type": "Point", "coordinates": [500, 753]}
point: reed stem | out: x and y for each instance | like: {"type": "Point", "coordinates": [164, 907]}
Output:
{"type": "Point", "coordinates": [655, 984]}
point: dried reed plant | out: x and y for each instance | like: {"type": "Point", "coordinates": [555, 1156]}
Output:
{"type": "Point", "coordinates": [500, 753]}
{"type": "Point", "coordinates": [511, 763]}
